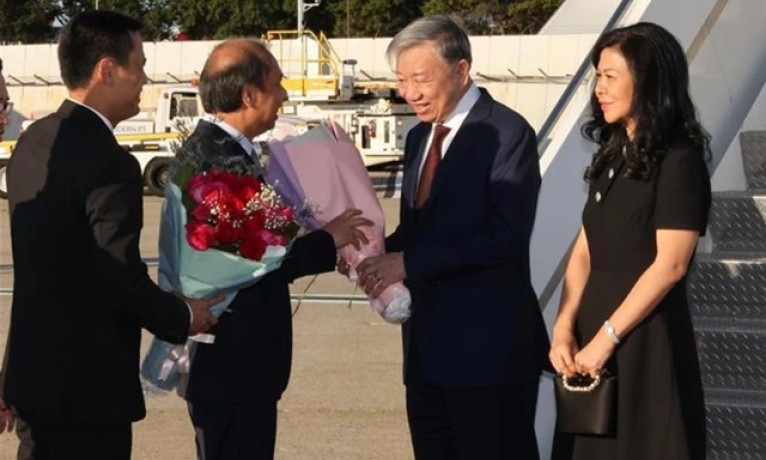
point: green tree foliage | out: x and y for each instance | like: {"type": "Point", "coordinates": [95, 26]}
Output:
{"type": "Point", "coordinates": [217, 19]}
{"type": "Point", "coordinates": [529, 16]}
{"type": "Point", "coordinates": [477, 16]}
{"type": "Point", "coordinates": [27, 21]}
{"type": "Point", "coordinates": [372, 18]}
{"type": "Point", "coordinates": [153, 13]}
{"type": "Point", "coordinates": [496, 17]}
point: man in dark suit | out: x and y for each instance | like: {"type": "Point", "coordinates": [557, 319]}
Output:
{"type": "Point", "coordinates": [235, 382]}
{"type": "Point", "coordinates": [81, 292]}
{"type": "Point", "coordinates": [475, 343]}
{"type": "Point", "coordinates": [9, 420]}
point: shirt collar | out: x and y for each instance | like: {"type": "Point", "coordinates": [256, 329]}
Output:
{"type": "Point", "coordinates": [100, 115]}
{"type": "Point", "coordinates": [466, 103]}
{"type": "Point", "coordinates": [246, 143]}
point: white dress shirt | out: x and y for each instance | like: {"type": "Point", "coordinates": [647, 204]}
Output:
{"type": "Point", "coordinates": [453, 121]}
{"type": "Point", "coordinates": [253, 150]}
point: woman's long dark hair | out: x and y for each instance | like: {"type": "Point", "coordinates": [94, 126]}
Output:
{"type": "Point", "coordinates": [661, 106]}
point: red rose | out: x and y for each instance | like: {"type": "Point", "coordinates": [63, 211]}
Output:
{"type": "Point", "coordinates": [247, 187]}
{"type": "Point", "coordinates": [198, 179]}
{"type": "Point", "coordinates": [287, 213]}
{"type": "Point", "coordinates": [227, 233]}
{"type": "Point", "coordinates": [209, 187]}
{"type": "Point", "coordinates": [202, 212]}
{"type": "Point", "coordinates": [233, 203]}
{"type": "Point", "coordinates": [254, 222]}
{"type": "Point", "coordinates": [230, 207]}
{"type": "Point", "coordinates": [200, 235]}
{"type": "Point", "coordinates": [252, 247]}
{"type": "Point", "coordinates": [273, 239]}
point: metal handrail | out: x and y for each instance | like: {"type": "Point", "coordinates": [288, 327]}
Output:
{"type": "Point", "coordinates": [326, 58]}
{"type": "Point", "coordinates": [544, 132]}
{"type": "Point", "coordinates": [577, 79]}
{"type": "Point", "coordinates": [566, 96]}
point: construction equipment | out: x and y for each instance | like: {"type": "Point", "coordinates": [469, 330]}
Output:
{"type": "Point", "coordinates": [319, 85]}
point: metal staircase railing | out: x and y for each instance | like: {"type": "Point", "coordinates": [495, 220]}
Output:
{"type": "Point", "coordinates": [312, 67]}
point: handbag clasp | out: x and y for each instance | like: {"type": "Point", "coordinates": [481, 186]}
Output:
{"type": "Point", "coordinates": [581, 388]}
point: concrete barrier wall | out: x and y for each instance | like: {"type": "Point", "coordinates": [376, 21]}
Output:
{"type": "Point", "coordinates": [526, 72]}
{"type": "Point", "coordinates": [526, 55]}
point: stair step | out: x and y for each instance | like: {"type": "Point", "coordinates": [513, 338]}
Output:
{"type": "Point", "coordinates": [736, 432]}
{"type": "Point", "coordinates": [732, 360]}
{"type": "Point", "coordinates": [739, 316]}
{"type": "Point", "coordinates": [727, 300]}
{"type": "Point", "coordinates": [753, 145]}
{"type": "Point", "coordinates": [728, 289]}
{"type": "Point", "coordinates": [731, 324]}
{"type": "Point", "coordinates": [736, 398]}
{"type": "Point", "coordinates": [738, 222]}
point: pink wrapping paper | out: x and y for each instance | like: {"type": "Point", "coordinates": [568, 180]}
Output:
{"type": "Point", "coordinates": [333, 177]}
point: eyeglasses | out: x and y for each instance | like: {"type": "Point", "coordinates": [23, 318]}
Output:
{"type": "Point", "coordinates": [7, 107]}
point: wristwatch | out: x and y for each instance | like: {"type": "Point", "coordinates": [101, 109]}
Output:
{"type": "Point", "coordinates": [611, 332]}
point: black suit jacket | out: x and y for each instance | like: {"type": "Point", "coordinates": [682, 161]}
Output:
{"type": "Point", "coordinates": [81, 292]}
{"type": "Point", "coordinates": [475, 317]}
{"type": "Point", "coordinates": [251, 357]}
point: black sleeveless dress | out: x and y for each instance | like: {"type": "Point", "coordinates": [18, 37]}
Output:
{"type": "Point", "coordinates": [661, 413]}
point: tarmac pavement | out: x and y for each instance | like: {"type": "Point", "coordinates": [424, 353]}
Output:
{"type": "Point", "coordinates": [345, 400]}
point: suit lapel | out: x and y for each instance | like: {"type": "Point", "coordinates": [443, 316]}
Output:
{"type": "Point", "coordinates": [228, 145]}
{"type": "Point", "coordinates": [460, 150]}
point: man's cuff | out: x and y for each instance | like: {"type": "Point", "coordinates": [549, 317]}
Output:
{"type": "Point", "coordinates": [191, 313]}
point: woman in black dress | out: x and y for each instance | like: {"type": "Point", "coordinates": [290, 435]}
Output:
{"type": "Point", "coordinates": [624, 306]}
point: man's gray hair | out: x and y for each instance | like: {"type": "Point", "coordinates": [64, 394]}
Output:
{"type": "Point", "coordinates": [451, 40]}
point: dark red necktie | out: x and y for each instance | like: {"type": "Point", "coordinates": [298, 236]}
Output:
{"type": "Point", "coordinates": [432, 162]}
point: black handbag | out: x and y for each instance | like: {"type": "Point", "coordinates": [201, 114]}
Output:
{"type": "Point", "coordinates": [585, 405]}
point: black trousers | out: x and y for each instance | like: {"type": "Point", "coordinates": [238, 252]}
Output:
{"type": "Point", "coordinates": [234, 431]}
{"type": "Point", "coordinates": [26, 443]}
{"type": "Point", "coordinates": [469, 423]}
{"type": "Point", "coordinates": [56, 439]}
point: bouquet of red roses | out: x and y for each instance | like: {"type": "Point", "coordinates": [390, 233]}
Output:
{"type": "Point", "coordinates": [222, 229]}
{"type": "Point", "coordinates": [237, 214]}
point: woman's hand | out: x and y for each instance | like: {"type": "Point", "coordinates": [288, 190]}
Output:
{"type": "Point", "coordinates": [591, 359]}
{"type": "Point", "coordinates": [563, 350]}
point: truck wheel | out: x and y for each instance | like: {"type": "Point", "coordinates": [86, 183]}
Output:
{"type": "Point", "coordinates": [3, 180]}
{"type": "Point", "coordinates": [156, 176]}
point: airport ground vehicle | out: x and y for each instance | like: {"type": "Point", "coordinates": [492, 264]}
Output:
{"type": "Point", "coordinates": [320, 86]}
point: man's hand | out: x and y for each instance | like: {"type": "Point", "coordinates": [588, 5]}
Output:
{"type": "Point", "coordinates": [7, 421]}
{"type": "Point", "coordinates": [345, 228]}
{"type": "Point", "coordinates": [203, 319]}
{"type": "Point", "coordinates": [377, 273]}
{"type": "Point", "coordinates": [343, 267]}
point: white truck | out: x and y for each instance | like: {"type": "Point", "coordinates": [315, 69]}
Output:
{"type": "Point", "coordinates": [149, 136]}
{"type": "Point", "coordinates": [320, 86]}
{"type": "Point", "coordinates": [152, 136]}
